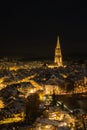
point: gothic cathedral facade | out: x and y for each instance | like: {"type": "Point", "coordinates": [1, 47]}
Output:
{"type": "Point", "coordinates": [58, 55]}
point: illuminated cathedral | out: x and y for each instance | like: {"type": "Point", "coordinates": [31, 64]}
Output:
{"type": "Point", "coordinates": [58, 55]}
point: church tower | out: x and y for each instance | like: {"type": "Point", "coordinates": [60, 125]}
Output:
{"type": "Point", "coordinates": [58, 55]}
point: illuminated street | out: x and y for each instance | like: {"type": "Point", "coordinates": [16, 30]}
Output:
{"type": "Point", "coordinates": [18, 84]}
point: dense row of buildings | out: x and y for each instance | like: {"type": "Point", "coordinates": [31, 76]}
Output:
{"type": "Point", "coordinates": [19, 80]}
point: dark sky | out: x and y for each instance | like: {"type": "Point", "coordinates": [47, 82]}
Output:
{"type": "Point", "coordinates": [30, 28]}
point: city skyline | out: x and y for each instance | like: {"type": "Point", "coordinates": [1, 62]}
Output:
{"type": "Point", "coordinates": [30, 29]}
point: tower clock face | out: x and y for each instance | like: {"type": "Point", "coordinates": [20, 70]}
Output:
{"type": "Point", "coordinates": [58, 51]}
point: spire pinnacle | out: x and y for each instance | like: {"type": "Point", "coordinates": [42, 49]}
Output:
{"type": "Point", "coordinates": [58, 55]}
{"type": "Point", "coordinates": [58, 43]}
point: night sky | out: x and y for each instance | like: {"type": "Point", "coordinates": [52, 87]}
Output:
{"type": "Point", "coordinates": [30, 28]}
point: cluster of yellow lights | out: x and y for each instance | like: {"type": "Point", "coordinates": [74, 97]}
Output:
{"type": "Point", "coordinates": [16, 118]}
{"type": "Point", "coordinates": [1, 104]}
{"type": "Point", "coordinates": [14, 68]}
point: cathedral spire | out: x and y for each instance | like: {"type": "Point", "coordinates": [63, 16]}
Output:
{"type": "Point", "coordinates": [58, 55]}
{"type": "Point", "coordinates": [58, 43]}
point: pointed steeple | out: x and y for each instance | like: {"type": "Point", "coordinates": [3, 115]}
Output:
{"type": "Point", "coordinates": [58, 55]}
{"type": "Point", "coordinates": [58, 43]}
